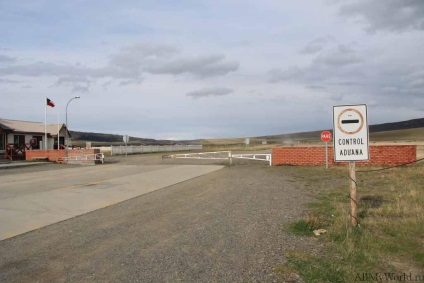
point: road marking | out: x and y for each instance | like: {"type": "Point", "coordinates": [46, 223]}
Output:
{"type": "Point", "coordinates": [86, 184]}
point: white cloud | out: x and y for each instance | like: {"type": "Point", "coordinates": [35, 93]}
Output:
{"type": "Point", "coordinates": [341, 56]}
{"type": "Point", "coordinates": [7, 81]}
{"type": "Point", "coordinates": [202, 66]}
{"type": "Point", "coordinates": [127, 66]}
{"type": "Point", "coordinates": [6, 59]}
{"type": "Point", "coordinates": [330, 65]}
{"type": "Point", "coordinates": [216, 91]}
{"type": "Point", "coordinates": [387, 15]}
{"type": "Point", "coordinates": [316, 45]}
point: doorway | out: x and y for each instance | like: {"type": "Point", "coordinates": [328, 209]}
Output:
{"type": "Point", "coordinates": [2, 143]}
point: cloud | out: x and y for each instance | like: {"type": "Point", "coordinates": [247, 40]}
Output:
{"type": "Point", "coordinates": [317, 87]}
{"type": "Point", "coordinates": [387, 15]}
{"type": "Point", "coordinates": [404, 83]}
{"type": "Point", "coordinates": [414, 86]}
{"type": "Point", "coordinates": [292, 73]}
{"type": "Point", "coordinates": [336, 97]}
{"type": "Point", "coordinates": [137, 56]}
{"type": "Point", "coordinates": [210, 92]}
{"type": "Point", "coordinates": [128, 66]}
{"type": "Point", "coordinates": [165, 59]}
{"type": "Point", "coordinates": [80, 88]}
{"type": "Point", "coordinates": [343, 55]}
{"type": "Point", "coordinates": [78, 83]}
{"type": "Point", "coordinates": [106, 84]}
{"type": "Point", "coordinates": [202, 66]}
{"type": "Point", "coordinates": [7, 81]}
{"type": "Point", "coordinates": [129, 82]}
{"type": "Point", "coordinates": [316, 45]}
{"type": "Point", "coordinates": [333, 64]}
{"type": "Point", "coordinates": [44, 69]}
{"type": "Point", "coordinates": [346, 73]}
{"type": "Point", "coordinates": [7, 59]}
{"type": "Point", "coordinates": [73, 80]}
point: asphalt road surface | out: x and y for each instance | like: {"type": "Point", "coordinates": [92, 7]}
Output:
{"type": "Point", "coordinates": [33, 200]}
{"type": "Point", "coordinates": [225, 226]}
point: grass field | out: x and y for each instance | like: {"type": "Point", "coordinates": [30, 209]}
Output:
{"type": "Point", "coordinates": [390, 238]}
{"type": "Point", "coordinates": [414, 135]}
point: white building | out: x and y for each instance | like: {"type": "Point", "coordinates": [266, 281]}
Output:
{"type": "Point", "coordinates": [31, 134]}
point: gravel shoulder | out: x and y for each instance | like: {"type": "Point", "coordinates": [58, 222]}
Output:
{"type": "Point", "coordinates": [226, 226]}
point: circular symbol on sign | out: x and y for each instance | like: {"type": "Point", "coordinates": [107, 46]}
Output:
{"type": "Point", "coordinates": [350, 121]}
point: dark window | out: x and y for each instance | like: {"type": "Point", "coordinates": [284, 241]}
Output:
{"type": "Point", "coordinates": [39, 140]}
{"type": "Point", "coordinates": [19, 139]}
{"type": "Point", "coordinates": [2, 145]}
{"type": "Point", "coordinates": [61, 142]}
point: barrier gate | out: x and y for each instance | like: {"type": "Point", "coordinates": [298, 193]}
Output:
{"type": "Point", "coordinates": [223, 155]}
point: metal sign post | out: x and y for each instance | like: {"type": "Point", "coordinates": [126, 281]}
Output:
{"type": "Point", "coordinates": [352, 194]}
{"type": "Point", "coordinates": [326, 137]}
{"type": "Point", "coordinates": [126, 138]}
{"type": "Point", "coordinates": [351, 143]}
{"type": "Point", "coordinates": [326, 155]}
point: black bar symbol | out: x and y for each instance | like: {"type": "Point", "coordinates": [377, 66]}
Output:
{"type": "Point", "coordinates": [350, 121]}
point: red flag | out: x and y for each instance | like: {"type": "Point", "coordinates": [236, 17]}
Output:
{"type": "Point", "coordinates": [50, 103]}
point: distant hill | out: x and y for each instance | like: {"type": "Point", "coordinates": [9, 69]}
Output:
{"type": "Point", "coordinates": [410, 124]}
{"type": "Point", "coordinates": [373, 129]}
{"type": "Point", "coordinates": [392, 130]}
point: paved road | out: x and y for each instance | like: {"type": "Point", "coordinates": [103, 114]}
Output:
{"type": "Point", "coordinates": [30, 201]}
{"type": "Point", "coordinates": [226, 226]}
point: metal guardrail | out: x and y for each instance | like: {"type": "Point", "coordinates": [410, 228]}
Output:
{"type": "Point", "coordinates": [223, 155]}
{"type": "Point", "coordinates": [202, 155]}
{"type": "Point", "coordinates": [84, 158]}
{"type": "Point", "coordinates": [116, 150]}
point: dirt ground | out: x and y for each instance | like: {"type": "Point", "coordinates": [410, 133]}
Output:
{"type": "Point", "coordinates": [226, 226]}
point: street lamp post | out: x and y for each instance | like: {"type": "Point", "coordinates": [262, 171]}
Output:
{"type": "Point", "coordinates": [67, 128]}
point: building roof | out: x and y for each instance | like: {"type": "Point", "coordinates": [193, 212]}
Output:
{"type": "Point", "coordinates": [30, 127]}
{"type": "Point", "coordinates": [4, 127]}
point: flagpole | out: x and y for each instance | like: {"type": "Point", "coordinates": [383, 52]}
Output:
{"type": "Point", "coordinates": [58, 129]}
{"type": "Point", "coordinates": [45, 123]}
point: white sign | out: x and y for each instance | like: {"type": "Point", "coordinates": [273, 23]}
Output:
{"type": "Point", "coordinates": [350, 133]}
{"type": "Point", "coordinates": [126, 138]}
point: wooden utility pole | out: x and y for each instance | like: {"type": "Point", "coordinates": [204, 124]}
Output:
{"type": "Point", "coordinates": [353, 202]}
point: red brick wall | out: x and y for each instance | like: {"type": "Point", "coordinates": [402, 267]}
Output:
{"type": "Point", "coordinates": [55, 155]}
{"type": "Point", "coordinates": [388, 155]}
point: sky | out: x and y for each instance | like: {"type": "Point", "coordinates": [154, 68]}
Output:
{"type": "Point", "coordinates": [210, 69]}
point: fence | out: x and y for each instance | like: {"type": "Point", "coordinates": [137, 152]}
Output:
{"type": "Point", "coordinates": [83, 159]}
{"type": "Point", "coordinates": [116, 150]}
{"type": "Point", "coordinates": [223, 155]}
{"type": "Point", "coordinates": [102, 148]}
